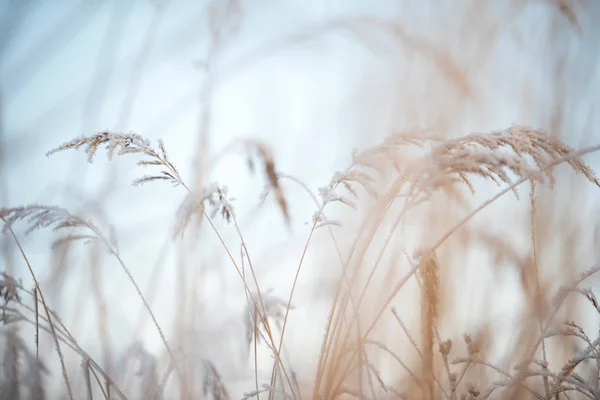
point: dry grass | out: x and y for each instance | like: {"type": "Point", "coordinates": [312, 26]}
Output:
{"type": "Point", "coordinates": [510, 158]}
{"type": "Point", "coordinates": [370, 348]}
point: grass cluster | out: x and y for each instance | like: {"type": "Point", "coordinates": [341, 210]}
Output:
{"type": "Point", "coordinates": [396, 182]}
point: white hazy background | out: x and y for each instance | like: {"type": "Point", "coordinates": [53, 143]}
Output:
{"type": "Point", "coordinates": [293, 76]}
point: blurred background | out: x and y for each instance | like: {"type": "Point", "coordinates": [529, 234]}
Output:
{"type": "Point", "coordinates": [313, 81]}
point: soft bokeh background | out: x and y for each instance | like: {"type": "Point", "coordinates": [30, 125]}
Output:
{"type": "Point", "coordinates": [313, 80]}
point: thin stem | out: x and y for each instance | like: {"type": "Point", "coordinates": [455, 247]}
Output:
{"type": "Point", "coordinates": [265, 318]}
{"type": "Point", "coordinates": [39, 290]}
{"type": "Point", "coordinates": [146, 305]}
